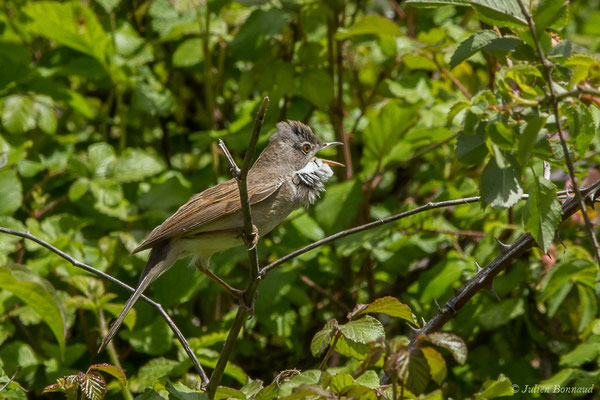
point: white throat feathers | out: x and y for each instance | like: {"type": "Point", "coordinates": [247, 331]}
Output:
{"type": "Point", "coordinates": [313, 176]}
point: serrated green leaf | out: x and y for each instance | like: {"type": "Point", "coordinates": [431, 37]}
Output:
{"type": "Point", "coordinates": [451, 342]}
{"type": "Point", "coordinates": [71, 24]}
{"type": "Point", "coordinates": [499, 314]}
{"type": "Point", "coordinates": [111, 370]}
{"type": "Point", "coordinates": [501, 187]}
{"type": "Point", "coordinates": [322, 339]}
{"type": "Point", "coordinates": [39, 299]}
{"type": "Point", "coordinates": [340, 382]}
{"type": "Point", "coordinates": [544, 212]}
{"type": "Point", "coordinates": [471, 46]}
{"type": "Point", "coordinates": [385, 305]}
{"type": "Point", "coordinates": [364, 330]}
{"type": "Point", "coordinates": [492, 389]}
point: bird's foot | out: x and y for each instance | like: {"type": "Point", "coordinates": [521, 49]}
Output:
{"type": "Point", "coordinates": [251, 242]}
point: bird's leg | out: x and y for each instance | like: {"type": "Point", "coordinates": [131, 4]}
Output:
{"type": "Point", "coordinates": [250, 244]}
{"type": "Point", "coordinates": [238, 294]}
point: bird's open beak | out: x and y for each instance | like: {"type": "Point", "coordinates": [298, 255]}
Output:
{"type": "Point", "coordinates": [329, 162]}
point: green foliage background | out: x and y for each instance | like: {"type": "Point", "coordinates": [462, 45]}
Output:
{"type": "Point", "coordinates": [110, 111]}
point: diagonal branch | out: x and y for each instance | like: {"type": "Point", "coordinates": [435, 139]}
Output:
{"type": "Point", "coordinates": [554, 100]}
{"type": "Point", "coordinates": [117, 282]}
{"type": "Point", "coordinates": [360, 228]}
{"type": "Point", "coordinates": [508, 253]}
{"type": "Point", "coordinates": [247, 300]}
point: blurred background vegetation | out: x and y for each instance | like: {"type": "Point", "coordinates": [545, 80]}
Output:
{"type": "Point", "coordinates": [110, 113]}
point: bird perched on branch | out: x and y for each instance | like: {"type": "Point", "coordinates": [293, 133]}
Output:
{"type": "Point", "coordinates": [287, 175]}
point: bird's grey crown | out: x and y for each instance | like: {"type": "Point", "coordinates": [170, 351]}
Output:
{"type": "Point", "coordinates": [312, 178]}
{"type": "Point", "coordinates": [296, 130]}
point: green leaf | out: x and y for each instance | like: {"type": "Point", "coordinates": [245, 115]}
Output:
{"type": "Point", "coordinates": [437, 365]}
{"type": "Point", "coordinates": [529, 138]}
{"type": "Point", "coordinates": [154, 339]}
{"type": "Point", "coordinates": [340, 382]}
{"type": "Point", "coordinates": [179, 391]}
{"type": "Point", "coordinates": [153, 370]}
{"type": "Point", "coordinates": [355, 350]}
{"type": "Point", "coordinates": [578, 270]}
{"type": "Point", "coordinates": [471, 149]}
{"type": "Point", "coordinates": [188, 53]}
{"type": "Point", "coordinates": [70, 24]}
{"type": "Point", "coordinates": [385, 305]}
{"type": "Point", "coordinates": [339, 205]}
{"type": "Point", "coordinates": [136, 165]}
{"type": "Point", "coordinates": [18, 114]}
{"type": "Point", "coordinates": [583, 353]}
{"type": "Point", "coordinates": [267, 393]}
{"type": "Point", "coordinates": [383, 137]}
{"type": "Point", "coordinates": [548, 12]}
{"type": "Point", "coordinates": [111, 370]}
{"type": "Point", "coordinates": [308, 227]}
{"type": "Point", "coordinates": [471, 46]}
{"type": "Point", "coordinates": [414, 370]}
{"type": "Point", "coordinates": [371, 25]}
{"type": "Point", "coordinates": [544, 212]}
{"type": "Point", "coordinates": [499, 314]}
{"type": "Point", "coordinates": [495, 12]}
{"type": "Point", "coordinates": [224, 393]}
{"type": "Point", "coordinates": [12, 192]}
{"type": "Point", "coordinates": [581, 125]}
{"type": "Point", "coordinates": [501, 187]}
{"type": "Point", "coordinates": [588, 305]}
{"type": "Point", "coordinates": [451, 342]}
{"type": "Point", "coordinates": [322, 339]}
{"type": "Point", "coordinates": [316, 86]}
{"type": "Point", "coordinates": [364, 330]}
{"type": "Point", "coordinates": [39, 299]}
{"type": "Point", "coordinates": [495, 388]}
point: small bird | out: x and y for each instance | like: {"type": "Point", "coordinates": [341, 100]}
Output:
{"type": "Point", "coordinates": [287, 175]}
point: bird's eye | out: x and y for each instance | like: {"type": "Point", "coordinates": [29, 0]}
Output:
{"type": "Point", "coordinates": [306, 148]}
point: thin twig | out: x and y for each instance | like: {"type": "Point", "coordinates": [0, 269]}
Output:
{"type": "Point", "coordinates": [483, 279]}
{"type": "Point", "coordinates": [554, 99]}
{"type": "Point", "coordinates": [12, 378]}
{"type": "Point", "coordinates": [448, 74]}
{"type": "Point", "coordinates": [117, 282]}
{"type": "Point", "coordinates": [383, 221]}
{"type": "Point", "coordinates": [248, 296]}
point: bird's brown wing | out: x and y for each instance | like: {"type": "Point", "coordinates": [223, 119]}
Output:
{"type": "Point", "coordinates": [217, 201]}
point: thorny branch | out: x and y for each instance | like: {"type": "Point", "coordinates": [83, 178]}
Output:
{"type": "Point", "coordinates": [117, 282]}
{"type": "Point", "coordinates": [508, 253]}
{"type": "Point", "coordinates": [247, 299]}
{"type": "Point", "coordinates": [554, 100]}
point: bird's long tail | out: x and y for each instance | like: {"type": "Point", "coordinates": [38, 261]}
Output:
{"type": "Point", "coordinates": [157, 264]}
